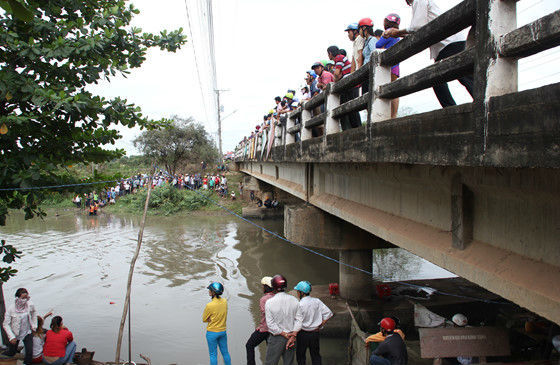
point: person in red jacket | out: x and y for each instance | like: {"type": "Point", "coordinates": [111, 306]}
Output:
{"type": "Point", "coordinates": [59, 345]}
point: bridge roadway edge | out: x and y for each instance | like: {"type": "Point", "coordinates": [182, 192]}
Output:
{"type": "Point", "coordinates": [527, 282]}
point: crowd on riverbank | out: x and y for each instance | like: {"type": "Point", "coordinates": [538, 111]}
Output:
{"type": "Point", "coordinates": [110, 194]}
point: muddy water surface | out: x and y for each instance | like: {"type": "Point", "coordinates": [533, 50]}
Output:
{"type": "Point", "coordinates": [78, 266]}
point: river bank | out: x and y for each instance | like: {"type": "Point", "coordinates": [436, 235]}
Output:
{"type": "Point", "coordinates": [165, 200]}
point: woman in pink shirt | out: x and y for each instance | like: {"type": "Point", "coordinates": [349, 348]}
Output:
{"type": "Point", "coordinates": [59, 345]}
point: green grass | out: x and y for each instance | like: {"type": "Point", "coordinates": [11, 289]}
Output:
{"type": "Point", "coordinates": [58, 200]}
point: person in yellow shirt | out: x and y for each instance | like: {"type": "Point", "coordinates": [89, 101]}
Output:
{"type": "Point", "coordinates": [215, 314]}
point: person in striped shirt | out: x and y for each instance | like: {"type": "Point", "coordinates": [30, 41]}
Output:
{"type": "Point", "coordinates": [342, 68]}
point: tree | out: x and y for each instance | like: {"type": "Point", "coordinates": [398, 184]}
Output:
{"type": "Point", "coordinates": [48, 118]}
{"type": "Point", "coordinates": [181, 142]}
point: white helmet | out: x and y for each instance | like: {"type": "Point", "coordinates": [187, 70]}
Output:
{"type": "Point", "coordinates": [460, 320]}
{"type": "Point", "coordinates": [267, 280]}
{"type": "Point", "coordinates": [556, 342]}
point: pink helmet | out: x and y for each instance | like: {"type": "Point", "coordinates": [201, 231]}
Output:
{"type": "Point", "coordinates": [395, 18]}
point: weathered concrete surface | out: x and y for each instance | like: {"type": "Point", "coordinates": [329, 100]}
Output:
{"type": "Point", "coordinates": [328, 231]}
{"type": "Point", "coordinates": [354, 284]}
{"type": "Point", "coordinates": [513, 249]}
{"type": "Point", "coordinates": [542, 34]}
{"type": "Point", "coordinates": [522, 131]}
{"type": "Point", "coordinates": [262, 213]}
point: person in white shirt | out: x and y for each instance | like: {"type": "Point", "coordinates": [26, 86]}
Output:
{"type": "Point", "coordinates": [283, 322]}
{"type": "Point", "coordinates": [423, 12]}
{"type": "Point", "coordinates": [314, 314]}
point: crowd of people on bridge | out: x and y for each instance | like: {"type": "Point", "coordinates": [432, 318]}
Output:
{"type": "Point", "coordinates": [365, 40]}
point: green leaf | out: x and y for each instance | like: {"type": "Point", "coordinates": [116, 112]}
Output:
{"type": "Point", "coordinates": [20, 11]}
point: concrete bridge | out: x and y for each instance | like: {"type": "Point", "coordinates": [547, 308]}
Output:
{"type": "Point", "coordinates": [473, 188]}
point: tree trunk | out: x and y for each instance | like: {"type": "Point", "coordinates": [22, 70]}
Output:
{"type": "Point", "coordinates": [2, 314]}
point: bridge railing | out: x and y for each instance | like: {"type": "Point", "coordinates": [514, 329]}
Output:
{"type": "Point", "coordinates": [494, 46]}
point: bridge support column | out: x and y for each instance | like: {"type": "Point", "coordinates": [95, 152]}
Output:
{"type": "Point", "coordinates": [355, 284]}
{"type": "Point", "coordinates": [312, 227]}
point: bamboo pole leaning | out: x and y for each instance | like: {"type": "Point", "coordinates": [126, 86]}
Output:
{"type": "Point", "coordinates": [131, 271]}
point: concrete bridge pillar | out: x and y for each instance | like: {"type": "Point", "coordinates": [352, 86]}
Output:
{"type": "Point", "coordinates": [312, 227]}
{"type": "Point", "coordinates": [355, 284]}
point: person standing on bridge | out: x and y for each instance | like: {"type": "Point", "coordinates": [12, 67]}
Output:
{"type": "Point", "coordinates": [365, 27]}
{"type": "Point", "coordinates": [261, 333]}
{"type": "Point", "coordinates": [314, 314]}
{"type": "Point", "coordinates": [357, 46]}
{"type": "Point", "coordinates": [391, 21]}
{"type": "Point", "coordinates": [342, 69]}
{"type": "Point", "coordinates": [284, 322]}
{"type": "Point", "coordinates": [215, 314]}
{"type": "Point", "coordinates": [423, 12]}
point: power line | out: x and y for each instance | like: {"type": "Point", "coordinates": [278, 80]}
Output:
{"type": "Point", "coordinates": [196, 61]}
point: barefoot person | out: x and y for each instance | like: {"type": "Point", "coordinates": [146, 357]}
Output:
{"type": "Point", "coordinates": [59, 345]}
{"type": "Point", "coordinates": [215, 314]}
{"type": "Point", "coordinates": [19, 323]}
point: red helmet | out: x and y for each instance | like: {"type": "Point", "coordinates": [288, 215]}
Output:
{"type": "Point", "coordinates": [387, 324]}
{"type": "Point", "coordinates": [279, 282]}
{"type": "Point", "coordinates": [366, 22]}
{"type": "Point", "coordinates": [395, 18]}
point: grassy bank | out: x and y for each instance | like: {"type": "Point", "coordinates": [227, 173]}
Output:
{"type": "Point", "coordinates": [165, 200]}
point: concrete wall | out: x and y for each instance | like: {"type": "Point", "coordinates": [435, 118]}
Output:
{"type": "Point", "coordinates": [513, 222]}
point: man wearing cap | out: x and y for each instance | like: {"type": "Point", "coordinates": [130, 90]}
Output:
{"type": "Point", "coordinates": [341, 70]}
{"type": "Point", "coordinates": [314, 314]}
{"type": "Point", "coordinates": [423, 12]}
{"type": "Point", "coordinates": [324, 77]}
{"type": "Point", "coordinates": [261, 333]}
{"type": "Point", "coordinates": [283, 323]}
{"type": "Point", "coordinates": [311, 81]}
{"type": "Point", "coordinates": [357, 46]}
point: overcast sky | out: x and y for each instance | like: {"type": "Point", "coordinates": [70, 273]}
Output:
{"type": "Point", "coordinates": [263, 48]}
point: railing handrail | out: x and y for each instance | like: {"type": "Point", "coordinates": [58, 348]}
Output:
{"type": "Point", "coordinates": [492, 59]}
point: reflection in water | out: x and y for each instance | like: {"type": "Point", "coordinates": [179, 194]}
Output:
{"type": "Point", "coordinates": [78, 265]}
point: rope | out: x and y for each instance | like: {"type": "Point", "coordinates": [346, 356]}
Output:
{"type": "Point", "coordinates": [370, 273]}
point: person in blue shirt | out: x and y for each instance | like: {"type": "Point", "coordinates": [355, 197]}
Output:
{"type": "Point", "coordinates": [391, 21]}
{"type": "Point", "coordinates": [365, 27]}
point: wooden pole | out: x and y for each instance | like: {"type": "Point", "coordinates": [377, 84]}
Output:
{"type": "Point", "coordinates": [131, 271]}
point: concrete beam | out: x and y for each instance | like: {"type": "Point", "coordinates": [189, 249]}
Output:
{"type": "Point", "coordinates": [312, 227]}
{"type": "Point", "coordinates": [535, 37]}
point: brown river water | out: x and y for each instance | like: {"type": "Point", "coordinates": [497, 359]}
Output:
{"type": "Point", "coordinates": [78, 265]}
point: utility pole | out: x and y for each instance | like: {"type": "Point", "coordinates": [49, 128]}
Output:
{"type": "Point", "coordinates": [219, 125]}
{"type": "Point", "coordinates": [218, 91]}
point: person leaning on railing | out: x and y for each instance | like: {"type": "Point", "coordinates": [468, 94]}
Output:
{"type": "Point", "coordinates": [342, 69]}
{"type": "Point", "coordinates": [391, 21]}
{"type": "Point", "coordinates": [365, 26]}
{"type": "Point", "coordinates": [423, 12]}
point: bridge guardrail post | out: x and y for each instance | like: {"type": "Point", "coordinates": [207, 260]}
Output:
{"type": "Point", "coordinates": [278, 133]}
{"type": "Point", "coordinates": [379, 109]}
{"type": "Point", "coordinates": [493, 75]}
{"type": "Point", "coordinates": [332, 101]}
{"type": "Point", "coordinates": [290, 138]}
{"type": "Point", "coordinates": [501, 72]}
{"type": "Point", "coordinates": [305, 132]}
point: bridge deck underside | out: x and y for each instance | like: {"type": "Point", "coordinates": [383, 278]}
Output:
{"type": "Point", "coordinates": [395, 179]}
{"type": "Point", "coordinates": [514, 250]}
